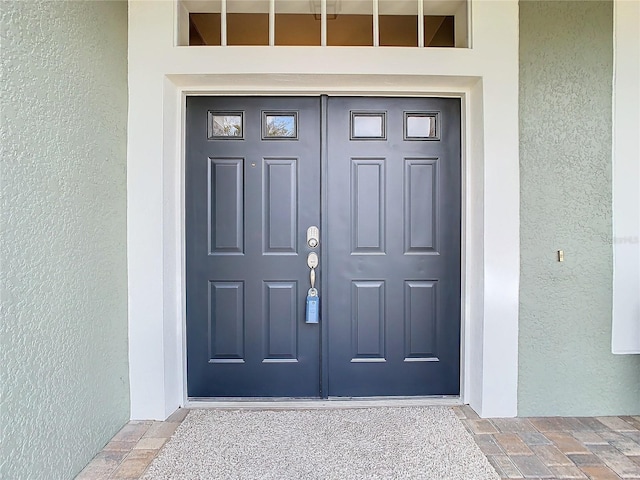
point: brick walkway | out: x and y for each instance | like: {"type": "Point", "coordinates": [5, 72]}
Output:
{"type": "Point", "coordinates": [602, 448]}
{"type": "Point", "coordinates": [132, 449]}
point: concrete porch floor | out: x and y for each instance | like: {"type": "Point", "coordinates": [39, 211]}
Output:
{"type": "Point", "coordinates": [596, 448]}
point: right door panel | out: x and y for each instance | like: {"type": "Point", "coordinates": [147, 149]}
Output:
{"type": "Point", "coordinates": [393, 246]}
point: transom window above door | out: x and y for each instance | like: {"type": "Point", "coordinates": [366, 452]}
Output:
{"type": "Point", "coordinates": [372, 23]}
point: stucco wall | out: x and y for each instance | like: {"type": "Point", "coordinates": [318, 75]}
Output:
{"type": "Point", "coordinates": [566, 364]}
{"type": "Point", "coordinates": [63, 358]}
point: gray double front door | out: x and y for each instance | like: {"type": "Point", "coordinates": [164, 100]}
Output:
{"type": "Point", "coordinates": [381, 179]}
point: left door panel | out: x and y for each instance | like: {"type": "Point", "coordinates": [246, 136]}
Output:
{"type": "Point", "coordinates": [252, 188]}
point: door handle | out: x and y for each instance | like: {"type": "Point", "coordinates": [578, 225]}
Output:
{"type": "Point", "coordinates": [312, 263]}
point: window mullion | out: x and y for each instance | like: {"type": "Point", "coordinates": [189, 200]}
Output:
{"type": "Point", "coordinates": [223, 23]}
{"type": "Point", "coordinates": [376, 24]}
{"type": "Point", "coordinates": [323, 20]}
{"type": "Point", "coordinates": [420, 23]}
{"type": "Point", "coordinates": [272, 22]}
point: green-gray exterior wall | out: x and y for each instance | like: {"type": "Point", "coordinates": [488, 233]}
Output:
{"type": "Point", "coordinates": [63, 358]}
{"type": "Point", "coordinates": [566, 365]}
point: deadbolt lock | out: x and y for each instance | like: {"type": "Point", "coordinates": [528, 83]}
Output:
{"type": "Point", "coordinates": [313, 237]}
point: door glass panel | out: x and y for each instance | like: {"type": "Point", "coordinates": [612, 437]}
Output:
{"type": "Point", "coordinates": [368, 125]}
{"type": "Point", "coordinates": [279, 125]}
{"type": "Point", "coordinates": [225, 125]}
{"type": "Point", "coordinates": [398, 23]}
{"type": "Point", "coordinates": [421, 126]}
{"type": "Point", "coordinates": [351, 24]}
{"type": "Point", "coordinates": [298, 22]}
{"type": "Point", "coordinates": [247, 22]}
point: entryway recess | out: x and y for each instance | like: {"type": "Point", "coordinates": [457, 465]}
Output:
{"type": "Point", "coordinates": [380, 177]}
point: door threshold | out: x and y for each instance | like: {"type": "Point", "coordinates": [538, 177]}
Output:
{"type": "Point", "coordinates": [269, 403]}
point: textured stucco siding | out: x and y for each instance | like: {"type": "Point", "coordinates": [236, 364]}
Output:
{"type": "Point", "coordinates": [566, 365]}
{"type": "Point", "coordinates": [63, 358]}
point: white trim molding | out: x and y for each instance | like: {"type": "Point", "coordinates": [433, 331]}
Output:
{"type": "Point", "coordinates": [625, 337]}
{"type": "Point", "coordinates": [162, 74]}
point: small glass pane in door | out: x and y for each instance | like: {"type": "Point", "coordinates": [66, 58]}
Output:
{"type": "Point", "coordinates": [421, 126]}
{"type": "Point", "coordinates": [279, 125]}
{"type": "Point", "coordinates": [366, 125]}
{"type": "Point", "coordinates": [225, 125]}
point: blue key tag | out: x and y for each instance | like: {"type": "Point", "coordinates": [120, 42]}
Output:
{"type": "Point", "coordinates": [313, 306]}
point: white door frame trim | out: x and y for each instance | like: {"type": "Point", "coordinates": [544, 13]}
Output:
{"type": "Point", "coordinates": [625, 337]}
{"type": "Point", "coordinates": [270, 90]}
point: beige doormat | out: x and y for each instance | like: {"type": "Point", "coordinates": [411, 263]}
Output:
{"type": "Point", "coordinates": [372, 443]}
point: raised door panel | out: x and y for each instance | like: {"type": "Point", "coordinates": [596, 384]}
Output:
{"type": "Point", "coordinates": [420, 206]}
{"type": "Point", "coordinates": [280, 220]}
{"type": "Point", "coordinates": [226, 206]}
{"type": "Point", "coordinates": [420, 307]}
{"type": "Point", "coordinates": [368, 321]}
{"type": "Point", "coordinates": [281, 322]}
{"type": "Point", "coordinates": [368, 206]}
{"type": "Point", "coordinates": [226, 322]}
